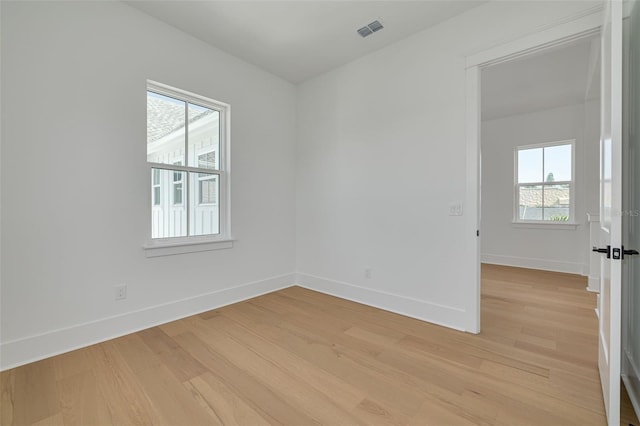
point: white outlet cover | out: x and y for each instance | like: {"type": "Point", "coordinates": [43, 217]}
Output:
{"type": "Point", "coordinates": [121, 292]}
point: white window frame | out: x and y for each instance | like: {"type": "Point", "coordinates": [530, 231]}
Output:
{"type": "Point", "coordinates": [178, 245]}
{"type": "Point", "coordinates": [571, 223]}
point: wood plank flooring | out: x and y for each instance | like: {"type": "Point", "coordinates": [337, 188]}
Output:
{"type": "Point", "coordinates": [298, 357]}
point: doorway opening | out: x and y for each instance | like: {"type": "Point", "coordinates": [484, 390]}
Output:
{"type": "Point", "coordinates": [539, 141]}
{"type": "Point", "coordinates": [528, 201]}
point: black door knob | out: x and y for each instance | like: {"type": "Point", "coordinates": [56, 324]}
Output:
{"type": "Point", "coordinates": [603, 250]}
{"type": "Point", "coordinates": [628, 252]}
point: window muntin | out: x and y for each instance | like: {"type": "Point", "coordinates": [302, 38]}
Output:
{"type": "Point", "coordinates": [183, 128]}
{"type": "Point", "coordinates": [544, 183]}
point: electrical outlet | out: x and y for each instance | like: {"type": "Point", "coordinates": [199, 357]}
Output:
{"type": "Point", "coordinates": [367, 272]}
{"type": "Point", "coordinates": [121, 292]}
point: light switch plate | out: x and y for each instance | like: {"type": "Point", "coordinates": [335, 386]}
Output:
{"type": "Point", "coordinates": [455, 210]}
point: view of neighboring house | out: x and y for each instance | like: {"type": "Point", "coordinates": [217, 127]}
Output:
{"type": "Point", "coordinates": [544, 202]}
{"type": "Point", "coordinates": [173, 212]}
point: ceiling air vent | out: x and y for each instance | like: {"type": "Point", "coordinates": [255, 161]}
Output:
{"type": "Point", "coordinates": [365, 31]}
{"type": "Point", "coordinates": [370, 29]}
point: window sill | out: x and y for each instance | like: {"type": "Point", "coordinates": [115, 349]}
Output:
{"type": "Point", "coordinates": [172, 246]}
{"type": "Point", "coordinates": [571, 226]}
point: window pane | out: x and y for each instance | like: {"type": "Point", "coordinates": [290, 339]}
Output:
{"type": "Point", "coordinates": [156, 196]}
{"type": "Point", "coordinates": [208, 190]}
{"type": "Point", "coordinates": [177, 193]}
{"type": "Point", "coordinates": [203, 200]}
{"type": "Point", "coordinates": [165, 129]}
{"type": "Point", "coordinates": [207, 161]}
{"type": "Point", "coordinates": [204, 137]}
{"type": "Point", "coordinates": [168, 212]}
{"type": "Point", "coordinates": [530, 165]}
{"type": "Point", "coordinates": [556, 202]}
{"type": "Point", "coordinates": [530, 202]}
{"type": "Point", "coordinates": [178, 178]}
{"type": "Point", "coordinates": [557, 163]}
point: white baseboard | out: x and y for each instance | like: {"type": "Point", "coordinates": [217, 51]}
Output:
{"type": "Point", "coordinates": [446, 316]}
{"type": "Point", "coordinates": [593, 284]}
{"type": "Point", "coordinates": [33, 348]}
{"type": "Point", "coordinates": [532, 263]}
{"type": "Point", "coordinates": [631, 379]}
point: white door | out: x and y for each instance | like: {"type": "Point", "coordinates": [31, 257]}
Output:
{"type": "Point", "coordinates": [611, 209]}
{"type": "Point", "coordinates": [631, 216]}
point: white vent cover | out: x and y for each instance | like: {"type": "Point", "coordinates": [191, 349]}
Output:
{"type": "Point", "coordinates": [370, 29]}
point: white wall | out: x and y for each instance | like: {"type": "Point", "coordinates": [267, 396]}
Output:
{"type": "Point", "coordinates": [75, 185]}
{"type": "Point", "coordinates": [381, 157]}
{"type": "Point", "coordinates": [502, 242]}
{"type": "Point", "coordinates": [366, 182]}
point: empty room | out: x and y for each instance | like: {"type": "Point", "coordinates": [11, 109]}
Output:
{"type": "Point", "coordinates": [319, 212]}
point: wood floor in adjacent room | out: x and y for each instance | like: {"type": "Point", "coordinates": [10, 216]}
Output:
{"type": "Point", "coordinates": [298, 357]}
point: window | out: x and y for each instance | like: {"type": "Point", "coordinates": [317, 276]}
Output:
{"type": "Point", "coordinates": [187, 156]}
{"type": "Point", "coordinates": [207, 160]}
{"type": "Point", "coordinates": [207, 183]}
{"type": "Point", "coordinates": [155, 187]}
{"type": "Point", "coordinates": [207, 188]}
{"type": "Point", "coordinates": [178, 179]}
{"type": "Point", "coordinates": [544, 183]}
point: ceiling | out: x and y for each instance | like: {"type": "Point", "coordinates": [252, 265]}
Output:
{"type": "Point", "coordinates": [298, 40]}
{"type": "Point", "coordinates": [561, 76]}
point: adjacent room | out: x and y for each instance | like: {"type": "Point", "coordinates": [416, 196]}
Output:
{"type": "Point", "coordinates": [279, 212]}
{"type": "Point", "coordinates": [541, 118]}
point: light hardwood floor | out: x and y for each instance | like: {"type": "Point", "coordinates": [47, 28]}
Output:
{"type": "Point", "coordinates": [299, 357]}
